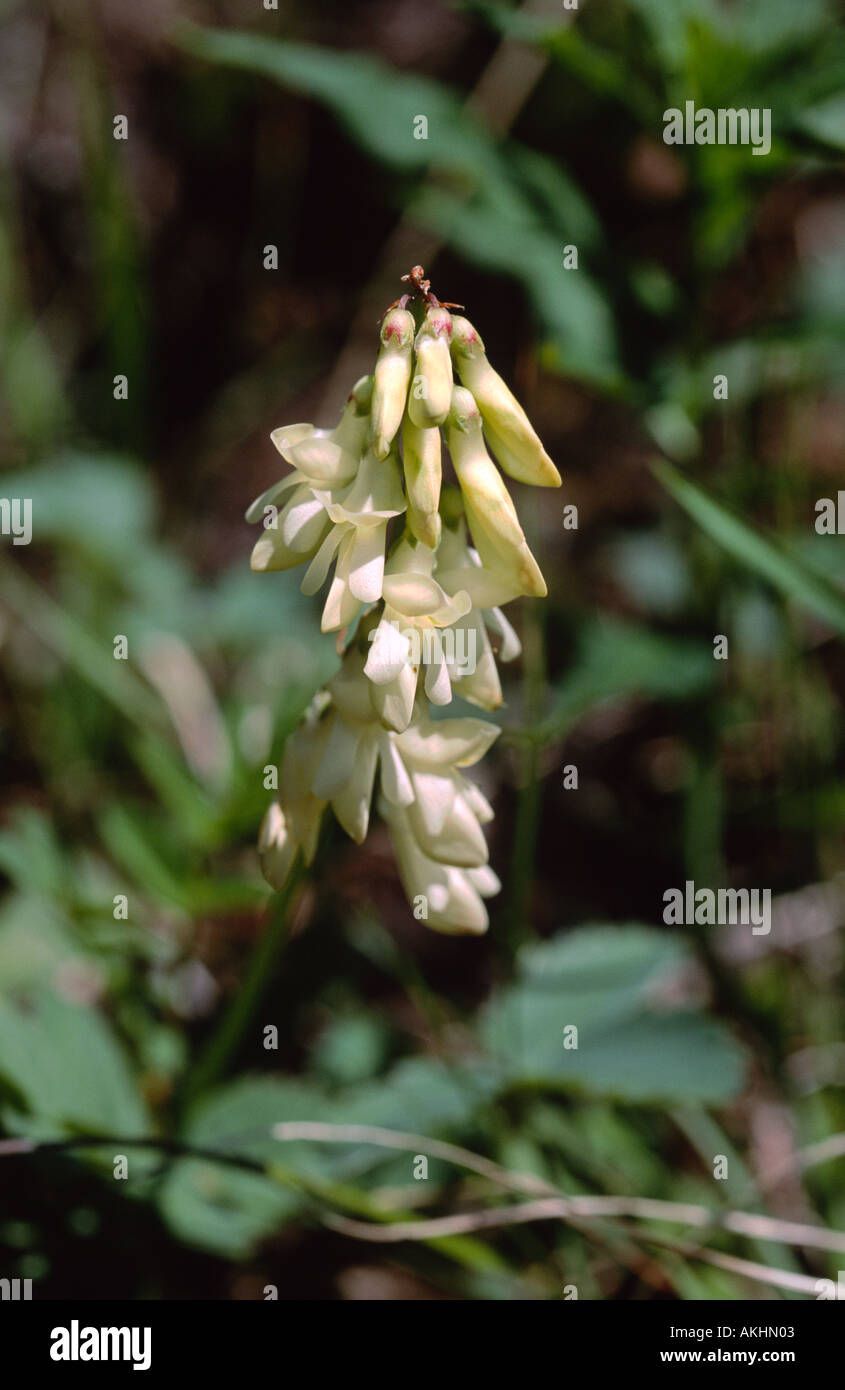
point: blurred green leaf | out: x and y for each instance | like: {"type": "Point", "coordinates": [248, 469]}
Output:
{"type": "Point", "coordinates": [765, 557]}
{"type": "Point", "coordinates": [347, 82]}
{"type": "Point", "coordinates": [492, 216]}
{"type": "Point", "coordinates": [216, 1206]}
{"type": "Point", "coordinates": [607, 981]}
{"type": "Point", "coordinates": [66, 1067]}
{"type": "Point", "coordinates": [615, 659]}
{"type": "Point", "coordinates": [826, 121]}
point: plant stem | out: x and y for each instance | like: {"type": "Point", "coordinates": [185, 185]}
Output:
{"type": "Point", "coordinates": [259, 972]}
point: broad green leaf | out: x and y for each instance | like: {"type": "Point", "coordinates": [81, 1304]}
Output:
{"type": "Point", "coordinates": [219, 1207]}
{"type": "Point", "coordinates": [65, 1071]}
{"type": "Point", "coordinates": [420, 1094]}
{"type": "Point", "coordinates": [103, 504]}
{"type": "Point", "coordinates": [377, 104]}
{"type": "Point", "coordinates": [607, 982]}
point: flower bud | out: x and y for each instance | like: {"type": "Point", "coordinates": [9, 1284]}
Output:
{"type": "Point", "coordinates": [323, 461]}
{"type": "Point", "coordinates": [515, 444]}
{"type": "Point", "coordinates": [423, 469]}
{"type": "Point", "coordinates": [431, 388]}
{"type": "Point", "coordinates": [498, 536]}
{"type": "Point", "coordinates": [350, 433]}
{"type": "Point", "coordinates": [391, 378]}
{"type": "Point", "coordinates": [276, 847]}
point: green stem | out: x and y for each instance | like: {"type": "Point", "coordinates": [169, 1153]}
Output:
{"type": "Point", "coordinates": [259, 972]}
{"type": "Point", "coordinates": [464, 1250]}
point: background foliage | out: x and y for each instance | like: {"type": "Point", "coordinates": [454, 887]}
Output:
{"type": "Point", "coordinates": [292, 127]}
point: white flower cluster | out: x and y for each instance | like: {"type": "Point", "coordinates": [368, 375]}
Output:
{"type": "Point", "coordinates": [397, 597]}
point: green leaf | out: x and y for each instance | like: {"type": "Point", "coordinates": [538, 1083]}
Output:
{"type": "Point", "coordinates": [219, 1208]}
{"type": "Point", "coordinates": [518, 242]}
{"type": "Point", "coordinates": [606, 981]}
{"type": "Point", "coordinates": [214, 1205]}
{"type": "Point", "coordinates": [101, 503]}
{"type": "Point", "coordinates": [377, 105]}
{"type": "Point", "coordinates": [30, 854]}
{"type": "Point", "coordinates": [826, 121]}
{"type": "Point", "coordinates": [510, 210]}
{"type": "Point", "coordinates": [419, 1094]}
{"type": "Point", "coordinates": [66, 1071]}
{"type": "Point", "coordinates": [754, 550]}
{"type": "Point", "coordinates": [615, 659]}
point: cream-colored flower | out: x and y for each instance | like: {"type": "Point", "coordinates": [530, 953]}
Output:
{"type": "Point", "coordinates": [391, 378]}
{"type": "Point", "coordinates": [493, 522]}
{"type": "Point", "coordinates": [514, 442]}
{"type": "Point", "coordinates": [450, 899]}
{"type": "Point", "coordinates": [319, 456]}
{"type": "Point", "coordinates": [441, 804]}
{"type": "Point", "coordinates": [421, 458]}
{"type": "Point", "coordinates": [433, 605]}
{"type": "Point", "coordinates": [359, 515]}
{"type": "Point", "coordinates": [479, 681]}
{"type": "Point", "coordinates": [340, 500]}
{"type": "Point", "coordinates": [277, 848]}
{"type": "Point", "coordinates": [430, 396]}
{"type": "Point", "coordinates": [410, 634]}
{"type": "Point", "coordinates": [292, 822]}
{"type": "Point", "coordinates": [435, 815]}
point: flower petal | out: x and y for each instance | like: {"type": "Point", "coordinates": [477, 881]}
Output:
{"type": "Point", "coordinates": [510, 646]}
{"type": "Point", "coordinates": [315, 575]}
{"type": "Point", "coordinates": [389, 651]}
{"type": "Point", "coordinates": [434, 796]}
{"type": "Point", "coordinates": [276, 847]}
{"type": "Point", "coordinates": [395, 780]}
{"type": "Point", "coordinates": [447, 743]}
{"type": "Point", "coordinates": [366, 563]}
{"type": "Point", "coordinates": [255, 510]}
{"type": "Point", "coordinates": [415, 595]}
{"type": "Point", "coordinates": [338, 761]}
{"type": "Point", "coordinates": [438, 686]}
{"type": "Point", "coordinates": [303, 521]}
{"type": "Point", "coordinates": [394, 702]}
{"type": "Point", "coordinates": [323, 460]}
{"type": "Point", "coordinates": [351, 804]}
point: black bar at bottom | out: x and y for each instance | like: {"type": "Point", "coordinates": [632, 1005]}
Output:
{"type": "Point", "coordinates": [87, 1340]}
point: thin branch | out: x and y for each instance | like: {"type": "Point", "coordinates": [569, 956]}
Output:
{"type": "Point", "coordinates": [744, 1223]}
{"type": "Point", "coordinates": [748, 1269]}
{"type": "Point", "coordinates": [575, 1210]}
{"type": "Point", "coordinates": [564, 1209]}
{"type": "Point", "coordinates": [319, 1133]}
